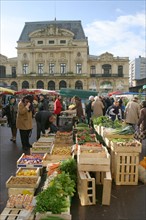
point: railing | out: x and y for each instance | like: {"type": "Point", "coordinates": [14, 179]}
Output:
{"type": "Point", "coordinates": [96, 75]}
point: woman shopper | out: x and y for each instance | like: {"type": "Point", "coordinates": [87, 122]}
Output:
{"type": "Point", "coordinates": [140, 134]}
{"type": "Point", "coordinates": [24, 120]}
{"type": "Point", "coordinates": [10, 111]}
{"type": "Point", "coordinates": [57, 108]}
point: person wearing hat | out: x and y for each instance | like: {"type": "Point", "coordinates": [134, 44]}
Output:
{"type": "Point", "coordinates": [132, 112]}
{"type": "Point", "coordinates": [24, 120]}
{"type": "Point", "coordinates": [10, 111]}
{"type": "Point", "coordinates": [42, 104]}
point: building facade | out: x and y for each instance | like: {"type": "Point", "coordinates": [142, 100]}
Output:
{"type": "Point", "coordinates": [55, 54]}
{"type": "Point", "coordinates": [137, 70]}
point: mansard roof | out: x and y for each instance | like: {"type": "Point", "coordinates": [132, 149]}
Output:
{"type": "Point", "coordinates": [73, 26]}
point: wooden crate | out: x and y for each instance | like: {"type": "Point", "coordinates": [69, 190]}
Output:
{"type": "Point", "coordinates": [16, 214]}
{"type": "Point", "coordinates": [125, 168]}
{"type": "Point", "coordinates": [105, 179]}
{"type": "Point", "coordinates": [30, 165]}
{"type": "Point", "coordinates": [23, 185]}
{"type": "Point", "coordinates": [16, 191]}
{"type": "Point", "coordinates": [49, 139]}
{"type": "Point", "coordinates": [93, 161]}
{"type": "Point", "coordinates": [126, 148]}
{"type": "Point", "coordinates": [20, 170]}
{"type": "Point", "coordinates": [49, 158]}
{"type": "Point", "coordinates": [86, 188]}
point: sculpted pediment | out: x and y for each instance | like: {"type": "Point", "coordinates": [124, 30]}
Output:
{"type": "Point", "coordinates": [106, 56]}
{"type": "Point", "coordinates": [51, 30]}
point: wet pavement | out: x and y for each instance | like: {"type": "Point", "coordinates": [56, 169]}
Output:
{"type": "Point", "coordinates": [127, 202]}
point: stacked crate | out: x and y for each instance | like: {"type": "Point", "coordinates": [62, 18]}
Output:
{"type": "Point", "coordinates": [125, 161]}
{"type": "Point", "coordinates": [93, 159]}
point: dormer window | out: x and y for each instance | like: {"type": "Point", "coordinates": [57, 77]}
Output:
{"type": "Point", "coordinates": [51, 42]}
{"type": "Point", "coordinates": [40, 42]}
{"type": "Point", "coordinates": [62, 41]}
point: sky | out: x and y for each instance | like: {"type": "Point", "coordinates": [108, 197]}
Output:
{"type": "Point", "coordinates": [114, 26]}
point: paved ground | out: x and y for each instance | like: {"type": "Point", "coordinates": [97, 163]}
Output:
{"type": "Point", "coordinates": [127, 202]}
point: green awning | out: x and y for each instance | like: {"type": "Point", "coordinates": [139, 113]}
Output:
{"type": "Point", "coordinates": [83, 94]}
{"type": "Point", "coordinates": [144, 87]}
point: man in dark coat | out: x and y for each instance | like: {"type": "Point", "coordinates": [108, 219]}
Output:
{"type": "Point", "coordinates": [44, 121]}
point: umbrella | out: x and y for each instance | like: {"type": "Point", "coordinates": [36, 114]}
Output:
{"type": "Point", "coordinates": [6, 91]}
{"type": "Point", "coordinates": [115, 93]}
{"type": "Point", "coordinates": [24, 92]}
{"type": "Point", "coordinates": [43, 91]}
{"type": "Point", "coordinates": [36, 92]}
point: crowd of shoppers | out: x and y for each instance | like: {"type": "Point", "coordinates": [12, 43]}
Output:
{"type": "Point", "coordinates": [20, 115]}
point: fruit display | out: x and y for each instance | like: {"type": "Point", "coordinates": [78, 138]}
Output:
{"type": "Point", "coordinates": [143, 162]}
{"type": "Point", "coordinates": [64, 133]}
{"type": "Point", "coordinates": [100, 152]}
{"type": "Point", "coordinates": [28, 172]}
{"type": "Point", "coordinates": [33, 160]}
{"type": "Point", "coordinates": [61, 151]}
{"type": "Point", "coordinates": [92, 144]}
{"type": "Point", "coordinates": [49, 139]}
{"type": "Point", "coordinates": [126, 142]}
{"type": "Point", "coordinates": [20, 201]}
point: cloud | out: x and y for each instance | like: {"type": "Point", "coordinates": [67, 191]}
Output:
{"type": "Point", "coordinates": [123, 37]}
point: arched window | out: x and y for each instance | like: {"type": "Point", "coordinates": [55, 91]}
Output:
{"type": "Point", "coordinates": [51, 85]}
{"type": "Point", "coordinates": [78, 85]}
{"type": "Point", "coordinates": [25, 85]}
{"type": "Point", "coordinates": [120, 70]}
{"type": "Point", "coordinates": [62, 84]}
{"type": "Point", "coordinates": [106, 85]}
{"type": "Point", "coordinates": [14, 85]}
{"type": "Point", "coordinates": [106, 69]}
{"type": "Point", "coordinates": [40, 85]}
{"type": "Point", "coordinates": [2, 71]}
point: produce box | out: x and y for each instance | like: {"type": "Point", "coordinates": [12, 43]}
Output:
{"type": "Point", "coordinates": [125, 145]}
{"type": "Point", "coordinates": [14, 213]}
{"type": "Point", "coordinates": [23, 191]}
{"type": "Point", "coordinates": [50, 158]}
{"type": "Point", "coordinates": [23, 182]}
{"type": "Point", "coordinates": [91, 159]}
{"type": "Point", "coordinates": [40, 149]}
{"type": "Point", "coordinates": [49, 139]}
{"type": "Point", "coordinates": [31, 172]}
{"type": "Point", "coordinates": [125, 168]}
{"type": "Point", "coordinates": [30, 161]}
{"type": "Point", "coordinates": [41, 144]}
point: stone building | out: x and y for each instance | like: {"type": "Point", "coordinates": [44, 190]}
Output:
{"type": "Point", "coordinates": [55, 54]}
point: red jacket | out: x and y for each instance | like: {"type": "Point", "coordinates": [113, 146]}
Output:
{"type": "Point", "coordinates": [57, 107]}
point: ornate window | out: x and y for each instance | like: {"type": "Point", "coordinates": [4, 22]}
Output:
{"type": "Point", "coordinates": [25, 85]}
{"type": "Point", "coordinates": [78, 85]}
{"type": "Point", "coordinates": [62, 84]}
{"type": "Point", "coordinates": [120, 70]}
{"type": "Point", "coordinates": [25, 68]}
{"type": "Point", "coordinates": [14, 85]}
{"type": "Point", "coordinates": [78, 68]}
{"type": "Point", "coordinates": [92, 69]}
{"type": "Point", "coordinates": [40, 84]}
{"type": "Point", "coordinates": [13, 69]}
{"type": "Point", "coordinates": [40, 68]}
{"type": "Point", "coordinates": [51, 68]}
{"type": "Point", "coordinates": [62, 68]}
{"type": "Point", "coordinates": [106, 69]}
{"type": "Point", "coordinates": [51, 85]}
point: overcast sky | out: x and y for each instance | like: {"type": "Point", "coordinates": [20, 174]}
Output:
{"type": "Point", "coordinates": [117, 27]}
